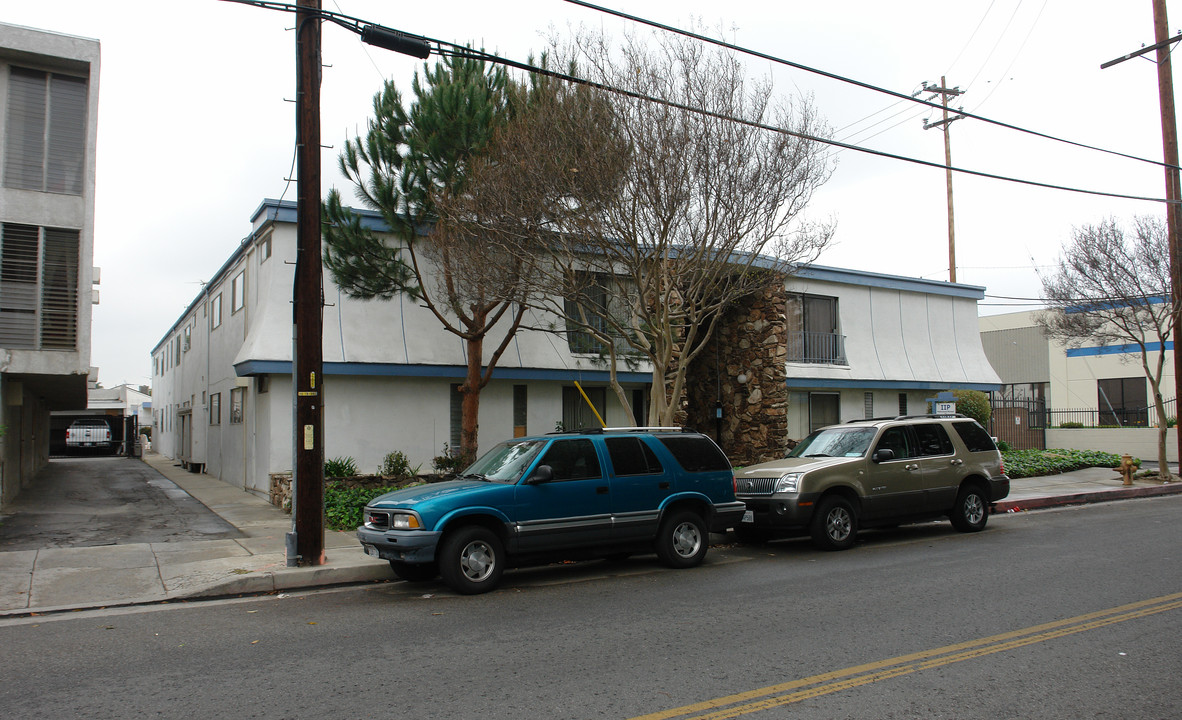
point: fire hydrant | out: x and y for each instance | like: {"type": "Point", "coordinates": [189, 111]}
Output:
{"type": "Point", "coordinates": [1126, 468]}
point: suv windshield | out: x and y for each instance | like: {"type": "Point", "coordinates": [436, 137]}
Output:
{"type": "Point", "coordinates": [835, 442]}
{"type": "Point", "coordinates": [506, 462]}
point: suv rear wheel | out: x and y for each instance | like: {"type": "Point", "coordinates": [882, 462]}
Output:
{"type": "Point", "coordinates": [682, 540]}
{"type": "Point", "coordinates": [971, 511]}
{"type": "Point", "coordinates": [471, 560]}
{"type": "Point", "coordinates": [835, 524]}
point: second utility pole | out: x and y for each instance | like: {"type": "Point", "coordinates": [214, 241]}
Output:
{"type": "Point", "coordinates": [945, 93]}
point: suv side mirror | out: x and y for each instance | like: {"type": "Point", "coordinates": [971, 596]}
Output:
{"type": "Point", "coordinates": [883, 454]}
{"type": "Point", "coordinates": [541, 474]}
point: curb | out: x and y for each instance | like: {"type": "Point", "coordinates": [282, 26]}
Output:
{"type": "Point", "coordinates": [1009, 506]}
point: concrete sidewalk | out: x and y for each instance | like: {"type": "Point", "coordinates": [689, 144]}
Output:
{"type": "Point", "coordinates": [71, 578]}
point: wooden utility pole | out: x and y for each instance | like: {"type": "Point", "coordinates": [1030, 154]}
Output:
{"type": "Point", "coordinates": [944, 92]}
{"type": "Point", "coordinates": [308, 303]}
{"type": "Point", "coordinates": [1169, 134]}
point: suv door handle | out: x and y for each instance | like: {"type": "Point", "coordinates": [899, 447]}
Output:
{"type": "Point", "coordinates": [958, 461]}
{"type": "Point", "coordinates": [664, 485]}
{"type": "Point", "coordinates": [911, 467]}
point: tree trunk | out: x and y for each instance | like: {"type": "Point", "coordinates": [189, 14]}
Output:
{"type": "Point", "coordinates": [470, 407]}
{"type": "Point", "coordinates": [1163, 430]}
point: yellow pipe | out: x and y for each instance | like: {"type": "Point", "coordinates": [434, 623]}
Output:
{"type": "Point", "coordinates": [590, 405]}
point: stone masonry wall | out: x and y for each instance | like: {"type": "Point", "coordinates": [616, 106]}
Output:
{"type": "Point", "coordinates": [750, 340]}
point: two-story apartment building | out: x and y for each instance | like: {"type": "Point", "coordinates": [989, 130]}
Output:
{"type": "Point", "coordinates": [828, 345]}
{"type": "Point", "coordinates": [822, 346]}
{"type": "Point", "coordinates": [48, 129]}
{"type": "Point", "coordinates": [221, 383]}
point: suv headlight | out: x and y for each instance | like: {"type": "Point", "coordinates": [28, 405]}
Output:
{"type": "Point", "coordinates": [788, 483]}
{"type": "Point", "coordinates": [405, 521]}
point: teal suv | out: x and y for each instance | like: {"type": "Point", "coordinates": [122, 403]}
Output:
{"type": "Point", "coordinates": [587, 494]}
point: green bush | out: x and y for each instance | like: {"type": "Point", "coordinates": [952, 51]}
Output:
{"type": "Point", "coordinates": [450, 462]}
{"type": "Point", "coordinates": [396, 464]}
{"type": "Point", "coordinates": [975, 404]}
{"type": "Point", "coordinates": [1004, 446]}
{"type": "Point", "coordinates": [1033, 463]}
{"type": "Point", "coordinates": [343, 506]}
{"type": "Point", "coordinates": [340, 467]}
{"type": "Point", "coordinates": [1071, 425]}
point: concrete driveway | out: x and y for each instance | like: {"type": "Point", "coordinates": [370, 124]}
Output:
{"type": "Point", "coordinates": [93, 501]}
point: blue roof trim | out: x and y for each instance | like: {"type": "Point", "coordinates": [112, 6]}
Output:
{"type": "Point", "coordinates": [830, 384]}
{"type": "Point", "coordinates": [889, 282]}
{"type": "Point", "coordinates": [1127, 349]}
{"type": "Point", "coordinates": [456, 372]}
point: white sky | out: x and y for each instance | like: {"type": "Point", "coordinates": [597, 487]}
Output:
{"type": "Point", "coordinates": [195, 128]}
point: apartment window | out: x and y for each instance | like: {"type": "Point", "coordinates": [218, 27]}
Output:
{"type": "Point", "coordinates": [824, 409]}
{"type": "Point", "coordinates": [237, 405]}
{"type": "Point", "coordinates": [813, 336]}
{"type": "Point", "coordinates": [215, 409]}
{"type": "Point", "coordinates": [264, 249]}
{"type": "Point", "coordinates": [215, 312]}
{"type": "Point", "coordinates": [456, 412]}
{"type": "Point", "coordinates": [238, 292]}
{"type": "Point", "coordinates": [187, 338]}
{"type": "Point", "coordinates": [520, 396]}
{"type": "Point", "coordinates": [588, 306]}
{"type": "Point", "coordinates": [45, 146]}
{"type": "Point", "coordinates": [38, 287]}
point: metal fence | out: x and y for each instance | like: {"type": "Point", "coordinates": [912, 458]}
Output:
{"type": "Point", "coordinates": [1037, 415]}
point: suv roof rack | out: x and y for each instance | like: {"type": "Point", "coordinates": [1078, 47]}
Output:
{"type": "Point", "coordinates": [628, 428]}
{"type": "Point", "coordinates": [908, 417]}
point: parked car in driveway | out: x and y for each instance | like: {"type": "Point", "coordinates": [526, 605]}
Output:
{"type": "Point", "coordinates": [874, 473]}
{"type": "Point", "coordinates": [586, 494]}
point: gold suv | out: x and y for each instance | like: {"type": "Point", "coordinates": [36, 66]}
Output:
{"type": "Point", "coordinates": [874, 473]}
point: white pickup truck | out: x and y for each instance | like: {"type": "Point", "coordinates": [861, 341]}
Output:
{"type": "Point", "coordinates": [88, 433]}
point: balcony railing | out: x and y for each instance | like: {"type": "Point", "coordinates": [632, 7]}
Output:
{"type": "Point", "coordinates": [815, 347]}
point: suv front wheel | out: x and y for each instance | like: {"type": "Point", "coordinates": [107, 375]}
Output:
{"type": "Point", "coordinates": [471, 560]}
{"type": "Point", "coordinates": [835, 524]}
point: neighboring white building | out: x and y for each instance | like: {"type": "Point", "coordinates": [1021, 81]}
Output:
{"type": "Point", "coordinates": [1108, 380]}
{"type": "Point", "coordinates": [844, 343]}
{"type": "Point", "coordinates": [48, 128]}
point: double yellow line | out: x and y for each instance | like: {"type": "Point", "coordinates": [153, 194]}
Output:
{"type": "Point", "coordinates": [774, 696]}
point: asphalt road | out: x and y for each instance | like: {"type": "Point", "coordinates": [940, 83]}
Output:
{"type": "Point", "coordinates": [1067, 613]}
{"type": "Point", "coordinates": [87, 501]}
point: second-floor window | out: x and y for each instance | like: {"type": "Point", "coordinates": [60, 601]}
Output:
{"type": "Point", "coordinates": [238, 292]}
{"type": "Point", "coordinates": [215, 312]}
{"type": "Point", "coordinates": [814, 331]}
{"type": "Point", "coordinates": [38, 287]}
{"type": "Point", "coordinates": [45, 137]}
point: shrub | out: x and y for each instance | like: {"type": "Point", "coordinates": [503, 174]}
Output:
{"type": "Point", "coordinates": [396, 464]}
{"type": "Point", "coordinates": [340, 467]}
{"type": "Point", "coordinates": [1070, 425]}
{"type": "Point", "coordinates": [975, 404]}
{"type": "Point", "coordinates": [1033, 463]}
{"type": "Point", "coordinates": [343, 506]}
{"type": "Point", "coordinates": [450, 462]}
{"type": "Point", "coordinates": [1004, 446]}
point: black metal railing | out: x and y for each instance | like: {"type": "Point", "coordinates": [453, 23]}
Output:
{"type": "Point", "coordinates": [816, 347]}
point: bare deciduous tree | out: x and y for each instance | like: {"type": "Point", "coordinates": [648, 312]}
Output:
{"type": "Point", "coordinates": [1113, 289]}
{"type": "Point", "coordinates": [651, 217]}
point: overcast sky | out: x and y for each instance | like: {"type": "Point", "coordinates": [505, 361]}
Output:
{"type": "Point", "coordinates": [195, 127]}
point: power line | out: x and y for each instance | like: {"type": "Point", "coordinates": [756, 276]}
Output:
{"type": "Point", "coordinates": [851, 81]}
{"type": "Point", "coordinates": [445, 48]}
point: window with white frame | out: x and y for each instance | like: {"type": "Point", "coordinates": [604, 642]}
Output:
{"type": "Point", "coordinates": [215, 409]}
{"type": "Point", "coordinates": [237, 405]}
{"type": "Point", "coordinates": [45, 135]}
{"type": "Point", "coordinates": [238, 292]}
{"type": "Point", "coordinates": [215, 312]}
